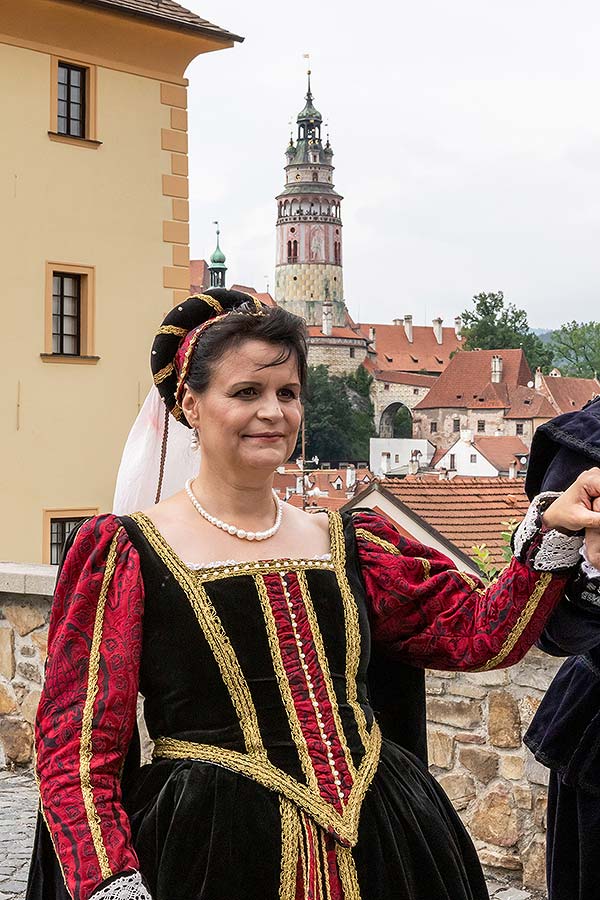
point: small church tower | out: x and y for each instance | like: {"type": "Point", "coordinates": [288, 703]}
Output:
{"type": "Point", "coordinates": [217, 266]}
{"type": "Point", "coordinates": [308, 269]}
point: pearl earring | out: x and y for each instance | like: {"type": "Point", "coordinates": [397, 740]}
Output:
{"type": "Point", "coordinates": [194, 442]}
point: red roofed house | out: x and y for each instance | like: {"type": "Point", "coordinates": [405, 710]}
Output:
{"type": "Point", "coordinates": [451, 516]}
{"type": "Point", "coordinates": [484, 456]}
{"type": "Point", "coordinates": [489, 392]}
{"type": "Point", "coordinates": [320, 485]}
{"type": "Point", "coordinates": [566, 394]}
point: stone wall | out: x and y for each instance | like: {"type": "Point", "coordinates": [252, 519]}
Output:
{"type": "Point", "coordinates": [23, 642]}
{"type": "Point", "coordinates": [445, 435]}
{"type": "Point", "coordinates": [475, 727]}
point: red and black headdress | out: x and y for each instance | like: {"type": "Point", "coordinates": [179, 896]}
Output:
{"type": "Point", "coordinates": [178, 335]}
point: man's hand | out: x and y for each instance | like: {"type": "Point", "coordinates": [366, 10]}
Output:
{"type": "Point", "coordinates": [592, 540]}
{"type": "Point", "coordinates": [574, 509]}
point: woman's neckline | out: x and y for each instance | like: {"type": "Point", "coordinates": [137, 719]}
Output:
{"type": "Point", "coordinates": [238, 565]}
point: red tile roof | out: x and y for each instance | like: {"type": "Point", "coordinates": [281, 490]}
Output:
{"type": "Point", "coordinates": [412, 378]}
{"type": "Point", "coordinates": [166, 13]}
{"type": "Point", "coordinates": [567, 394]}
{"type": "Point", "coordinates": [396, 353]}
{"type": "Point", "coordinates": [315, 504]}
{"type": "Point", "coordinates": [337, 331]}
{"type": "Point", "coordinates": [466, 382]}
{"type": "Point", "coordinates": [243, 287]}
{"type": "Point", "coordinates": [526, 403]}
{"type": "Point", "coordinates": [465, 511]}
{"type": "Point", "coordinates": [501, 450]}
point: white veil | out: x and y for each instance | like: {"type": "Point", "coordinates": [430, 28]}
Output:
{"type": "Point", "coordinates": [139, 471]}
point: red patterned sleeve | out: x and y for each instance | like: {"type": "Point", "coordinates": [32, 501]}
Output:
{"type": "Point", "coordinates": [427, 613]}
{"type": "Point", "coordinates": [87, 712]}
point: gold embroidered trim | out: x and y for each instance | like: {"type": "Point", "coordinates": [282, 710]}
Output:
{"type": "Point", "coordinates": [352, 625]}
{"type": "Point", "coordinates": [381, 542]}
{"type": "Point", "coordinates": [261, 770]}
{"type": "Point", "coordinates": [213, 573]}
{"type": "Point", "coordinates": [216, 636]}
{"type": "Point", "coordinates": [324, 667]}
{"type": "Point", "coordinates": [521, 623]}
{"type": "Point", "coordinates": [85, 745]}
{"type": "Point", "coordinates": [290, 844]}
{"type": "Point", "coordinates": [264, 567]}
{"type": "Point", "coordinates": [284, 685]}
{"type": "Point", "coordinates": [348, 875]}
{"type": "Point", "coordinates": [163, 374]}
{"type": "Point", "coordinates": [186, 364]}
{"type": "Point", "coordinates": [374, 539]}
{"type": "Point", "coordinates": [210, 301]}
{"type": "Point", "coordinates": [177, 412]}
{"type": "Point", "coordinates": [173, 329]}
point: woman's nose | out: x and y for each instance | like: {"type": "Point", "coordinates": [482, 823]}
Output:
{"type": "Point", "coordinates": [270, 408]}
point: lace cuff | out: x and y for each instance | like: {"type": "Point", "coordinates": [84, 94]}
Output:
{"type": "Point", "coordinates": [122, 887]}
{"type": "Point", "coordinates": [548, 551]}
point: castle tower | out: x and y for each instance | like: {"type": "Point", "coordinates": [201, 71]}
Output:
{"type": "Point", "coordinates": [217, 267]}
{"type": "Point", "coordinates": [308, 269]}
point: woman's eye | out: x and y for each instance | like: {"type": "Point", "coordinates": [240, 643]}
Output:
{"type": "Point", "coordinates": [287, 394]}
{"type": "Point", "coordinates": [246, 392]}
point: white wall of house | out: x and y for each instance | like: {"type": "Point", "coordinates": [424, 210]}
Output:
{"type": "Point", "coordinates": [463, 458]}
{"type": "Point", "coordinates": [386, 454]}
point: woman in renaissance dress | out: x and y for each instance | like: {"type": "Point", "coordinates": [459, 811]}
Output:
{"type": "Point", "coordinates": [250, 629]}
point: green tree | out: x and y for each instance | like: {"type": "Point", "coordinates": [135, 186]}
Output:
{"type": "Point", "coordinates": [576, 348]}
{"type": "Point", "coordinates": [338, 413]}
{"type": "Point", "coordinates": [495, 325]}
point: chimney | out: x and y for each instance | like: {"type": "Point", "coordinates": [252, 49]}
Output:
{"type": "Point", "coordinates": [466, 435]}
{"type": "Point", "coordinates": [327, 326]}
{"type": "Point", "coordinates": [538, 379]}
{"type": "Point", "coordinates": [413, 466]}
{"type": "Point", "coordinates": [512, 470]}
{"type": "Point", "coordinates": [372, 337]}
{"type": "Point", "coordinates": [458, 327]}
{"type": "Point", "coordinates": [497, 364]}
{"type": "Point", "coordinates": [350, 476]}
{"type": "Point", "coordinates": [397, 321]}
{"type": "Point", "coordinates": [437, 329]}
{"type": "Point", "coordinates": [408, 328]}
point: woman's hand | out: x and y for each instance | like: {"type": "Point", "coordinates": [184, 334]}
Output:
{"type": "Point", "coordinates": [574, 509]}
{"type": "Point", "coordinates": [592, 540]}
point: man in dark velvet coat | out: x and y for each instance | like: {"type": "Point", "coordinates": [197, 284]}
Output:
{"type": "Point", "coordinates": [565, 733]}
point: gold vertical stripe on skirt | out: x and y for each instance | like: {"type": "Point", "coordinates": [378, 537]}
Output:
{"type": "Point", "coordinates": [348, 874]}
{"type": "Point", "coordinates": [290, 847]}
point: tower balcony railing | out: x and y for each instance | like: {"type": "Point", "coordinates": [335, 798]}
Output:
{"type": "Point", "coordinates": [309, 217]}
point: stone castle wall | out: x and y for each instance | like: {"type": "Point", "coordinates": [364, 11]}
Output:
{"type": "Point", "coordinates": [475, 728]}
{"type": "Point", "coordinates": [445, 436]}
{"type": "Point", "coordinates": [336, 356]}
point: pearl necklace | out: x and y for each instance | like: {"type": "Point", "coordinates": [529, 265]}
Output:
{"type": "Point", "coordinates": [232, 529]}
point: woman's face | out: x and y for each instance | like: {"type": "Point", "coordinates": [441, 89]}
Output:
{"type": "Point", "coordinates": [249, 415]}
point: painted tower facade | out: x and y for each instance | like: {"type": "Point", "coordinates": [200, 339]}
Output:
{"type": "Point", "coordinates": [308, 270]}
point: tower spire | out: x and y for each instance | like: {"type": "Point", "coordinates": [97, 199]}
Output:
{"type": "Point", "coordinates": [217, 267]}
{"type": "Point", "coordinates": [309, 92]}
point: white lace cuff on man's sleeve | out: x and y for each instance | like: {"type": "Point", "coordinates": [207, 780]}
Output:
{"type": "Point", "coordinates": [556, 550]}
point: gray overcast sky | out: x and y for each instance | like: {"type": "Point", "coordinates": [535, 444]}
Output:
{"type": "Point", "coordinates": [466, 139]}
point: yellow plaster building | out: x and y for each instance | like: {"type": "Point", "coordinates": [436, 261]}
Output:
{"type": "Point", "coordinates": [94, 242]}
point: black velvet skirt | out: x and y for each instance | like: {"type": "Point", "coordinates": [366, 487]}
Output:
{"type": "Point", "coordinates": [203, 832]}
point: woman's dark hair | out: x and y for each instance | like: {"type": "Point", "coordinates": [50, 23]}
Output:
{"type": "Point", "coordinates": [275, 326]}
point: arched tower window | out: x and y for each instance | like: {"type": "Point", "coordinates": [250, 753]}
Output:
{"type": "Point", "coordinates": [294, 251]}
{"type": "Point", "coordinates": [289, 251]}
{"type": "Point", "coordinates": [315, 176]}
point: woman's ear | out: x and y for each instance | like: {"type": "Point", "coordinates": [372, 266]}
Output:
{"type": "Point", "coordinates": [188, 405]}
